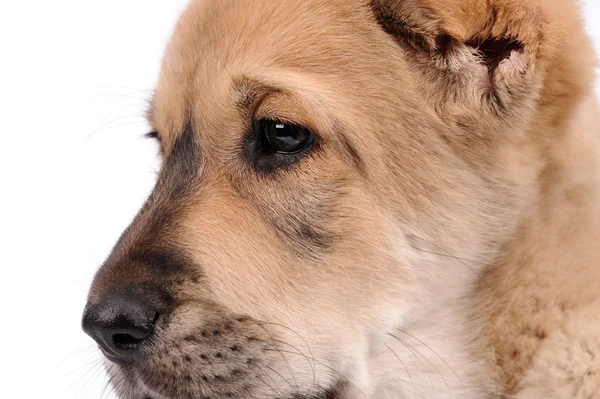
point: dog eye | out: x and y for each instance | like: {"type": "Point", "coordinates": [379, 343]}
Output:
{"type": "Point", "coordinates": [285, 138]}
{"type": "Point", "coordinates": [154, 135]}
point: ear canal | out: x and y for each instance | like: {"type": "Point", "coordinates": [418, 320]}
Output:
{"type": "Point", "coordinates": [494, 51]}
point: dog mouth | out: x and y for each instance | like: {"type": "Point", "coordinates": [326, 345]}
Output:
{"type": "Point", "coordinates": [139, 381]}
{"type": "Point", "coordinates": [128, 383]}
{"type": "Point", "coordinates": [325, 394]}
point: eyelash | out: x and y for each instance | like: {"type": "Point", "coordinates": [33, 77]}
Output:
{"type": "Point", "coordinates": [154, 135]}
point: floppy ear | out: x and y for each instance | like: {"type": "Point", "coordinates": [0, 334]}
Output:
{"type": "Point", "coordinates": [474, 59]}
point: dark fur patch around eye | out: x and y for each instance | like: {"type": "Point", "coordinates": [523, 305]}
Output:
{"type": "Point", "coordinates": [180, 167]}
{"type": "Point", "coordinates": [182, 162]}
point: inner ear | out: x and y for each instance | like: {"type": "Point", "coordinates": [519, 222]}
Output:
{"type": "Point", "coordinates": [493, 51]}
{"type": "Point", "coordinates": [490, 52]}
{"type": "Point", "coordinates": [417, 28]}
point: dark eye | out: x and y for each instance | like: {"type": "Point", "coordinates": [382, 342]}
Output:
{"type": "Point", "coordinates": [285, 138]}
{"type": "Point", "coordinates": [154, 135]}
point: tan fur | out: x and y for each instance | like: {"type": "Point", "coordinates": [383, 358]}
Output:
{"type": "Point", "coordinates": [453, 207]}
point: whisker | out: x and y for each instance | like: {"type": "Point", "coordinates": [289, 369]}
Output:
{"type": "Point", "coordinates": [406, 369]}
{"type": "Point", "coordinates": [282, 356]}
{"type": "Point", "coordinates": [265, 383]}
{"type": "Point", "coordinates": [326, 366]}
{"type": "Point", "coordinates": [448, 255]}
{"type": "Point", "coordinates": [87, 364]}
{"type": "Point", "coordinates": [439, 357]}
{"type": "Point", "coordinates": [407, 346]}
{"type": "Point", "coordinates": [83, 280]}
{"type": "Point", "coordinates": [111, 382]}
{"type": "Point", "coordinates": [270, 345]}
{"type": "Point", "coordinates": [280, 376]}
{"type": "Point", "coordinates": [110, 125]}
{"type": "Point", "coordinates": [107, 390]}
{"type": "Point", "coordinates": [131, 89]}
{"type": "Point", "coordinates": [293, 331]}
{"type": "Point", "coordinates": [268, 376]}
{"type": "Point", "coordinates": [312, 366]}
{"type": "Point", "coordinates": [90, 374]}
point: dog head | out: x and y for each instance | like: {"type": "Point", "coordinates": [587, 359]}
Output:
{"type": "Point", "coordinates": [325, 164]}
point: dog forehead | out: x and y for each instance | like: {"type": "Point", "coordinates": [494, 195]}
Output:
{"type": "Point", "coordinates": [273, 19]}
{"type": "Point", "coordinates": [217, 42]}
{"type": "Point", "coordinates": [247, 33]}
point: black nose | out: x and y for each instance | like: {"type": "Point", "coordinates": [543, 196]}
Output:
{"type": "Point", "coordinates": [121, 324]}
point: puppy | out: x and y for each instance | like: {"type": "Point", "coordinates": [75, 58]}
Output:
{"type": "Point", "coordinates": [376, 199]}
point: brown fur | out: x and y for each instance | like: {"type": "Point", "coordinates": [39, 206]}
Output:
{"type": "Point", "coordinates": [440, 239]}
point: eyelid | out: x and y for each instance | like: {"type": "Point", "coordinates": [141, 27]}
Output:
{"type": "Point", "coordinates": [154, 135]}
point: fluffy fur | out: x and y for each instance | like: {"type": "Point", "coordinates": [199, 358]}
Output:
{"type": "Point", "coordinates": [441, 240]}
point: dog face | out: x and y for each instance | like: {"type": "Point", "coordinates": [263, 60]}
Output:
{"type": "Point", "coordinates": [324, 165]}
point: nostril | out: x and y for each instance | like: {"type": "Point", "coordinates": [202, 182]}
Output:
{"type": "Point", "coordinates": [126, 341]}
{"type": "Point", "coordinates": [135, 335]}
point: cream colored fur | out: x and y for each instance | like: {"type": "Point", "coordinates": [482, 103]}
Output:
{"type": "Point", "coordinates": [460, 199]}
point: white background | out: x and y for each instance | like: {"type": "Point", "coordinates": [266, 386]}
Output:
{"type": "Point", "coordinates": [74, 168]}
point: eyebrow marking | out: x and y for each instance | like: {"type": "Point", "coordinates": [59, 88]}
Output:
{"type": "Point", "coordinates": [250, 93]}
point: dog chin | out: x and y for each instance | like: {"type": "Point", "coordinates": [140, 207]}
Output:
{"type": "Point", "coordinates": [127, 384]}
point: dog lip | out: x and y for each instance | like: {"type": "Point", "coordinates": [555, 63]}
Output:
{"type": "Point", "coordinates": [116, 359]}
{"type": "Point", "coordinates": [334, 392]}
{"type": "Point", "coordinates": [328, 393]}
{"type": "Point", "coordinates": [111, 357]}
